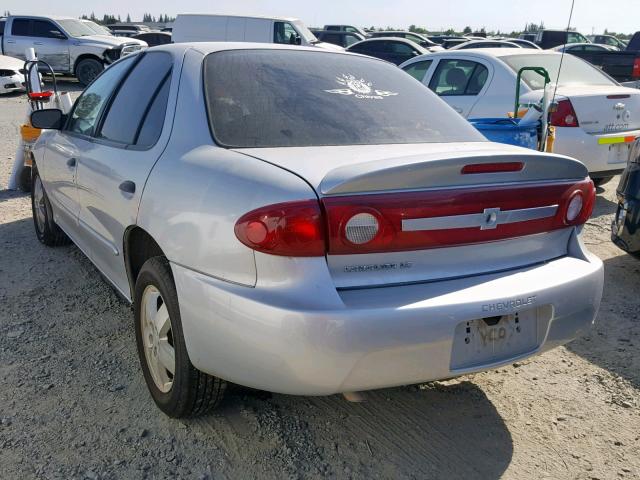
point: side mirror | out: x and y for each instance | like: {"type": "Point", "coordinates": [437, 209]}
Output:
{"type": "Point", "coordinates": [50, 118]}
{"type": "Point", "coordinates": [58, 34]}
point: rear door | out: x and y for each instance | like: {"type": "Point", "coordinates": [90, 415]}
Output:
{"type": "Point", "coordinates": [64, 148]}
{"type": "Point", "coordinates": [112, 172]}
{"type": "Point", "coordinates": [461, 82]}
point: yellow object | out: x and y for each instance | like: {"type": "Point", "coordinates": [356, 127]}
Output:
{"type": "Point", "coordinates": [614, 140]}
{"type": "Point", "coordinates": [551, 139]}
{"type": "Point", "coordinates": [29, 133]}
{"type": "Point", "coordinates": [521, 113]}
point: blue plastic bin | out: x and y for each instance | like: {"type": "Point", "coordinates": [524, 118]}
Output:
{"type": "Point", "coordinates": [508, 130]}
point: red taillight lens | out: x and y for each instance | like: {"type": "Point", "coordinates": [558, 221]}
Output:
{"type": "Point", "coordinates": [636, 69]}
{"type": "Point", "coordinates": [292, 229]}
{"type": "Point", "coordinates": [565, 115]}
{"type": "Point", "coordinates": [449, 206]}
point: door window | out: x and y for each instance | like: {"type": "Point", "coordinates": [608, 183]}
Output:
{"type": "Point", "coordinates": [418, 69]}
{"type": "Point", "coordinates": [20, 27]}
{"type": "Point", "coordinates": [283, 32]}
{"type": "Point", "coordinates": [573, 37]}
{"type": "Point", "coordinates": [458, 77]}
{"type": "Point", "coordinates": [133, 101]}
{"type": "Point", "coordinates": [87, 108]}
{"type": "Point", "coordinates": [42, 28]}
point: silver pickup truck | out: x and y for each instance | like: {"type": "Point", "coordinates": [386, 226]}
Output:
{"type": "Point", "coordinates": [65, 43]}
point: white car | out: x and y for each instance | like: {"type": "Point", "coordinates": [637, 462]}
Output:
{"type": "Point", "coordinates": [309, 222]}
{"type": "Point", "coordinates": [11, 78]}
{"type": "Point", "coordinates": [597, 118]}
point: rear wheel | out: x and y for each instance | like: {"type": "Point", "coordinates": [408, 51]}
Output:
{"type": "Point", "coordinates": [598, 182]}
{"type": "Point", "coordinates": [88, 69]}
{"type": "Point", "coordinates": [46, 229]}
{"type": "Point", "coordinates": [177, 387]}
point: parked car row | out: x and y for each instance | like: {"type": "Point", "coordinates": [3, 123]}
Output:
{"type": "Point", "coordinates": [307, 221]}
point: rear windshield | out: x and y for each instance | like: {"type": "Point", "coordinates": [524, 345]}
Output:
{"type": "Point", "coordinates": [289, 98]}
{"type": "Point", "coordinates": [574, 70]}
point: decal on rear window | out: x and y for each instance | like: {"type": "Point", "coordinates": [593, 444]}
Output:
{"type": "Point", "coordinates": [359, 88]}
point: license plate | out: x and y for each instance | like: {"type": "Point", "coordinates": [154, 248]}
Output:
{"type": "Point", "coordinates": [619, 153]}
{"type": "Point", "coordinates": [495, 339]}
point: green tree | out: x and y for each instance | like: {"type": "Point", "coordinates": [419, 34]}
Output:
{"type": "Point", "coordinates": [467, 30]}
{"type": "Point", "coordinates": [128, 18]}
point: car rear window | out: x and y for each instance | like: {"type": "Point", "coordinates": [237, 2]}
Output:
{"type": "Point", "coordinates": [289, 98]}
{"type": "Point", "coordinates": [574, 70]}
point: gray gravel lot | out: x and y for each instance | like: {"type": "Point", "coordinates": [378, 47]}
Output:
{"type": "Point", "coordinates": [73, 403]}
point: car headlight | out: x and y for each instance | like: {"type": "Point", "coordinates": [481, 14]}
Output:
{"type": "Point", "coordinates": [129, 49]}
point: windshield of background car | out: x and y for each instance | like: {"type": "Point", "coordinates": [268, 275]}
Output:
{"type": "Point", "coordinates": [574, 71]}
{"type": "Point", "coordinates": [75, 28]}
{"type": "Point", "coordinates": [304, 32]}
{"type": "Point", "coordinates": [288, 98]}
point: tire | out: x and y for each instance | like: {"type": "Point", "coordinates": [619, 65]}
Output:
{"type": "Point", "coordinates": [87, 70]}
{"type": "Point", "coordinates": [24, 181]}
{"type": "Point", "coordinates": [47, 231]}
{"type": "Point", "coordinates": [186, 392]}
{"type": "Point", "coordinates": [598, 182]}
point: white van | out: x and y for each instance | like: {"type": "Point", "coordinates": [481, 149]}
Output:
{"type": "Point", "coordinates": [195, 27]}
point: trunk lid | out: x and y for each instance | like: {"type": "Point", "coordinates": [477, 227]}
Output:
{"type": "Point", "coordinates": [604, 109]}
{"type": "Point", "coordinates": [437, 212]}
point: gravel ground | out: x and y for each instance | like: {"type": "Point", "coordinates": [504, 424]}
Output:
{"type": "Point", "coordinates": [73, 403]}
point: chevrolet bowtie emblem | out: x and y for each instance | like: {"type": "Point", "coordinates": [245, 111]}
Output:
{"type": "Point", "coordinates": [490, 218]}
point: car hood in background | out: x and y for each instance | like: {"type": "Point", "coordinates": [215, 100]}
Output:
{"type": "Point", "coordinates": [10, 63]}
{"type": "Point", "coordinates": [107, 40]}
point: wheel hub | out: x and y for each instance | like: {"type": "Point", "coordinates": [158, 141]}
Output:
{"type": "Point", "coordinates": [157, 338]}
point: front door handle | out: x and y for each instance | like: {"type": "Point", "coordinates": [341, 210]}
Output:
{"type": "Point", "coordinates": [128, 187]}
{"type": "Point", "coordinates": [457, 109]}
{"type": "Point", "coordinates": [71, 162]}
{"type": "Point", "coordinates": [38, 43]}
{"type": "Point", "coordinates": [11, 41]}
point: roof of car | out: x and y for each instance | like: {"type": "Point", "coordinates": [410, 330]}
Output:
{"type": "Point", "coordinates": [212, 47]}
{"type": "Point", "coordinates": [497, 52]}
{"type": "Point", "coordinates": [48, 17]}
{"type": "Point", "coordinates": [266, 17]}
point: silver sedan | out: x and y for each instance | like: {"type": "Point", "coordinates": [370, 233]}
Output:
{"type": "Point", "coordinates": [310, 222]}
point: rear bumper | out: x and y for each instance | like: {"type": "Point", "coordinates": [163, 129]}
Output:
{"type": "Point", "coordinates": [372, 338]}
{"type": "Point", "coordinates": [602, 160]}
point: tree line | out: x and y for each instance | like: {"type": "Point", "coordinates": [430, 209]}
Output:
{"type": "Point", "coordinates": [108, 19]}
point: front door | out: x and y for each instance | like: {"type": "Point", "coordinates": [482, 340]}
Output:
{"type": "Point", "coordinates": [51, 45]}
{"type": "Point", "coordinates": [112, 173]}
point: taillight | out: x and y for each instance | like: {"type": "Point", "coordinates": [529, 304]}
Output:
{"type": "Point", "coordinates": [564, 115]}
{"type": "Point", "coordinates": [292, 229]}
{"type": "Point", "coordinates": [636, 69]}
{"type": "Point", "coordinates": [395, 222]}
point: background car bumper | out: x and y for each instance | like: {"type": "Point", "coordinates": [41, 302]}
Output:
{"type": "Point", "coordinates": [12, 84]}
{"type": "Point", "coordinates": [380, 337]}
{"type": "Point", "coordinates": [600, 159]}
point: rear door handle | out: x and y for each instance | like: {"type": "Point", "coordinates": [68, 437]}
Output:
{"type": "Point", "coordinates": [71, 162]}
{"type": "Point", "coordinates": [11, 41]}
{"type": "Point", "coordinates": [128, 187]}
{"type": "Point", "coordinates": [457, 109]}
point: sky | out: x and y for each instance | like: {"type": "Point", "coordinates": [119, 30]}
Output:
{"type": "Point", "coordinates": [504, 15]}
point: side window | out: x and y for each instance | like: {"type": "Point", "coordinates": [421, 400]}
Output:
{"type": "Point", "coordinates": [351, 30]}
{"type": "Point", "coordinates": [365, 47]}
{"type": "Point", "coordinates": [418, 69]}
{"type": "Point", "coordinates": [2, 23]}
{"type": "Point", "coordinates": [20, 27]}
{"type": "Point", "coordinates": [284, 32]}
{"type": "Point", "coordinates": [333, 27]}
{"type": "Point", "coordinates": [134, 99]}
{"type": "Point", "coordinates": [458, 77]}
{"type": "Point", "coordinates": [87, 108]}
{"type": "Point", "coordinates": [42, 28]}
